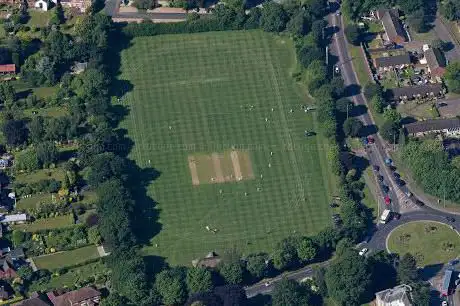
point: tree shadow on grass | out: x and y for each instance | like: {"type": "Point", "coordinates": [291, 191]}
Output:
{"type": "Point", "coordinates": [145, 214]}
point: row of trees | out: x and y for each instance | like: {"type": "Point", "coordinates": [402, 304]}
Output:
{"type": "Point", "coordinates": [352, 279]}
{"type": "Point", "coordinates": [417, 11]}
{"type": "Point", "coordinates": [432, 169]}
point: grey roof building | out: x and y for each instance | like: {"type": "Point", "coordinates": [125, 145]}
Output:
{"type": "Point", "coordinates": [449, 126]}
{"type": "Point", "coordinates": [393, 27]}
{"type": "Point", "coordinates": [397, 296]}
{"type": "Point", "coordinates": [392, 61]}
{"type": "Point", "coordinates": [413, 92]}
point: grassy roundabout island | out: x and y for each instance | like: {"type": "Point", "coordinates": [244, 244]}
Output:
{"type": "Point", "coordinates": [429, 242]}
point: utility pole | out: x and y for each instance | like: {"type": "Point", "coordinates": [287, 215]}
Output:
{"type": "Point", "coordinates": [348, 104]}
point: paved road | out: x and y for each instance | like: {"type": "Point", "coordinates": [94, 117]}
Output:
{"type": "Point", "coordinates": [376, 154]}
{"type": "Point", "coordinates": [266, 287]}
{"type": "Point", "coordinates": [442, 32]}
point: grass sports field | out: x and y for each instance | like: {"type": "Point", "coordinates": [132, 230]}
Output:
{"type": "Point", "coordinates": [212, 113]}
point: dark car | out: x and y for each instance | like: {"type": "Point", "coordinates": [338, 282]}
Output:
{"type": "Point", "coordinates": [419, 203]}
{"type": "Point", "coordinates": [380, 178]}
{"type": "Point", "coordinates": [376, 168]}
{"type": "Point", "coordinates": [385, 188]}
{"type": "Point", "coordinates": [396, 175]}
{"type": "Point", "coordinates": [396, 216]}
{"type": "Point", "coordinates": [450, 219]}
{"type": "Point", "coordinates": [400, 183]}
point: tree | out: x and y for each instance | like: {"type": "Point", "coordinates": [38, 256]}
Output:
{"type": "Point", "coordinates": [47, 153]}
{"type": "Point", "coordinates": [390, 131]}
{"type": "Point", "coordinates": [114, 299]}
{"type": "Point", "coordinates": [417, 21]}
{"type": "Point", "coordinates": [232, 272]}
{"type": "Point", "coordinates": [94, 236]}
{"type": "Point", "coordinates": [104, 167]}
{"type": "Point", "coordinates": [353, 34]}
{"type": "Point", "coordinates": [171, 287]}
{"type": "Point", "coordinates": [257, 266]}
{"type": "Point", "coordinates": [18, 237]}
{"type": "Point", "coordinates": [377, 104]}
{"type": "Point", "coordinates": [438, 44]}
{"type": "Point", "coordinates": [273, 18]}
{"type": "Point", "coordinates": [456, 161]}
{"type": "Point", "coordinates": [410, 5]}
{"type": "Point", "coordinates": [407, 269]}
{"type": "Point", "coordinates": [15, 132]}
{"type": "Point", "coordinates": [5, 56]}
{"type": "Point", "coordinates": [299, 24]}
{"type": "Point", "coordinates": [317, 31]}
{"type": "Point", "coordinates": [128, 277]}
{"type": "Point", "coordinates": [27, 160]}
{"type": "Point", "coordinates": [421, 294]}
{"type": "Point", "coordinates": [309, 54]}
{"type": "Point", "coordinates": [352, 127]}
{"type": "Point", "coordinates": [348, 279]}
{"type": "Point", "coordinates": [344, 105]}
{"type": "Point", "coordinates": [25, 272]}
{"type": "Point", "coordinates": [452, 77]}
{"type": "Point", "coordinates": [144, 4]}
{"type": "Point", "coordinates": [392, 115]}
{"type": "Point", "coordinates": [371, 90]}
{"type": "Point", "coordinates": [199, 280]}
{"type": "Point", "coordinates": [7, 94]}
{"type": "Point", "coordinates": [290, 292]}
{"type": "Point", "coordinates": [285, 254]}
{"type": "Point", "coordinates": [451, 9]}
{"type": "Point", "coordinates": [231, 295]}
{"type": "Point", "coordinates": [306, 249]}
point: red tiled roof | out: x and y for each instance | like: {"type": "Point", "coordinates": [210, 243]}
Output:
{"type": "Point", "coordinates": [75, 296]}
{"type": "Point", "coordinates": [8, 68]}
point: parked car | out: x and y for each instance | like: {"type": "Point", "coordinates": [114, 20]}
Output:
{"type": "Point", "coordinates": [419, 203]}
{"type": "Point", "coordinates": [400, 183]}
{"type": "Point", "coordinates": [385, 188]}
{"type": "Point", "coordinates": [396, 216]}
{"type": "Point", "coordinates": [396, 175]}
{"type": "Point", "coordinates": [387, 200]}
{"type": "Point", "coordinates": [370, 139]}
{"type": "Point", "coordinates": [375, 168]}
{"type": "Point", "coordinates": [380, 178]}
{"type": "Point", "coordinates": [450, 219]}
{"type": "Point", "coordinates": [408, 193]}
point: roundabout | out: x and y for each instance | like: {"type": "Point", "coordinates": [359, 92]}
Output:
{"type": "Point", "coordinates": [429, 242]}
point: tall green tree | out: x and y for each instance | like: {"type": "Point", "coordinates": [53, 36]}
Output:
{"type": "Point", "coordinates": [352, 127]}
{"type": "Point", "coordinates": [349, 279]}
{"type": "Point", "coordinates": [407, 269]}
{"type": "Point", "coordinates": [452, 77]}
{"type": "Point", "coordinates": [199, 280]}
{"type": "Point", "coordinates": [290, 292]}
{"type": "Point", "coordinates": [257, 265]}
{"type": "Point", "coordinates": [273, 18]}
{"type": "Point", "coordinates": [171, 286]}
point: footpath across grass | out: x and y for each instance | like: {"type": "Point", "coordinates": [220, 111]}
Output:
{"type": "Point", "coordinates": [66, 258]}
{"type": "Point", "coordinates": [208, 93]}
{"type": "Point", "coordinates": [429, 242]}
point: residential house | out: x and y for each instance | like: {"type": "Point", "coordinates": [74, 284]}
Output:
{"type": "Point", "coordinates": [397, 296]}
{"type": "Point", "coordinates": [14, 219]}
{"type": "Point", "coordinates": [78, 67]}
{"type": "Point", "coordinates": [394, 30]}
{"type": "Point", "coordinates": [16, 254]}
{"type": "Point", "coordinates": [7, 269]}
{"type": "Point", "coordinates": [87, 296]}
{"type": "Point", "coordinates": [390, 62]}
{"type": "Point", "coordinates": [34, 300]}
{"type": "Point", "coordinates": [435, 61]}
{"type": "Point", "coordinates": [415, 92]}
{"type": "Point", "coordinates": [41, 5]}
{"type": "Point", "coordinates": [80, 5]}
{"type": "Point", "coordinates": [210, 261]}
{"type": "Point", "coordinates": [8, 69]}
{"type": "Point", "coordinates": [449, 127]}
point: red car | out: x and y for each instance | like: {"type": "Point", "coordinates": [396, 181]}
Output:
{"type": "Point", "coordinates": [387, 200]}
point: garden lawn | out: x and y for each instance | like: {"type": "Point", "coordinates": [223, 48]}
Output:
{"type": "Point", "coordinates": [206, 93]}
{"type": "Point", "coordinates": [47, 223]}
{"type": "Point", "coordinates": [31, 202]}
{"type": "Point", "coordinates": [430, 242]}
{"type": "Point", "coordinates": [71, 277]}
{"type": "Point", "coordinates": [66, 258]}
{"type": "Point", "coordinates": [42, 174]}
